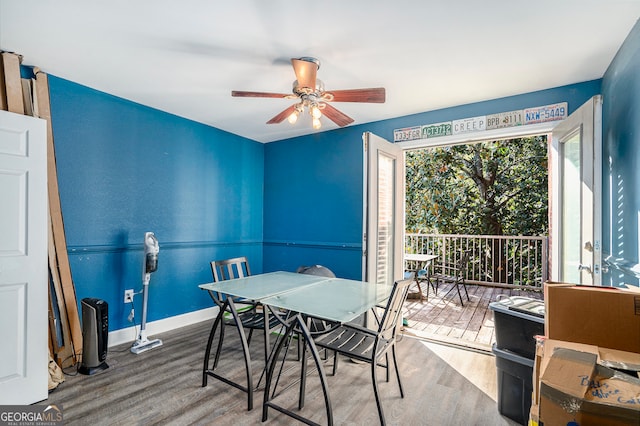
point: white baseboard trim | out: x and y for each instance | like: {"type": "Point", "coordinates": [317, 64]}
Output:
{"type": "Point", "coordinates": [129, 334]}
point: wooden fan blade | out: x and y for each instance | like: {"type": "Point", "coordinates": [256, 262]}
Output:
{"type": "Point", "coordinates": [284, 114]}
{"type": "Point", "coordinates": [305, 73]}
{"type": "Point", "coordinates": [243, 94]}
{"type": "Point", "coordinates": [372, 95]}
{"type": "Point", "coordinates": [338, 117]}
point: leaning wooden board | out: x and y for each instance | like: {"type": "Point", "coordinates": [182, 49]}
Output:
{"type": "Point", "coordinates": [63, 352]}
{"type": "Point", "coordinates": [64, 269]}
{"type": "Point", "coordinates": [3, 88]}
{"type": "Point", "coordinates": [13, 82]}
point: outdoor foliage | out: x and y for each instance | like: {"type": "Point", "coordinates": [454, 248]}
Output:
{"type": "Point", "coordinates": [489, 188]}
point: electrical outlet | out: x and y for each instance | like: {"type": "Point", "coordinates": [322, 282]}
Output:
{"type": "Point", "coordinates": [128, 296]}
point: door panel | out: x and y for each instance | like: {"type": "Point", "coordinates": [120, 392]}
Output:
{"type": "Point", "coordinates": [576, 206]}
{"type": "Point", "coordinates": [23, 260]}
{"type": "Point", "coordinates": [384, 210]}
{"type": "Point", "coordinates": [570, 196]}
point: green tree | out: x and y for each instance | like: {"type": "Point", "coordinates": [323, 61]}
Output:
{"type": "Point", "coordinates": [489, 188]}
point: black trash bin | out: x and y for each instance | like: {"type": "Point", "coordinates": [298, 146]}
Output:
{"type": "Point", "coordinates": [515, 385]}
{"type": "Point", "coordinates": [517, 321]}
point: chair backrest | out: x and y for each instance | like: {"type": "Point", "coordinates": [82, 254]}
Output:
{"type": "Point", "coordinates": [319, 270]}
{"type": "Point", "coordinates": [393, 310]}
{"type": "Point", "coordinates": [227, 269]}
{"type": "Point", "coordinates": [461, 267]}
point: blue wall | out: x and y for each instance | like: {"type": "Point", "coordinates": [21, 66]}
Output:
{"type": "Point", "coordinates": [124, 169]}
{"type": "Point", "coordinates": [314, 188]}
{"type": "Point", "coordinates": [313, 202]}
{"type": "Point", "coordinates": [621, 162]}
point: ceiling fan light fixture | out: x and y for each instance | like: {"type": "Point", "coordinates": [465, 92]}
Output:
{"type": "Point", "coordinates": [315, 111]}
{"type": "Point", "coordinates": [293, 117]}
{"type": "Point", "coordinates": [309, 90]}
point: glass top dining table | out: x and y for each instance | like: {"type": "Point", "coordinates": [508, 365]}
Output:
{"type": "Point", "coordinates": [334, 299]}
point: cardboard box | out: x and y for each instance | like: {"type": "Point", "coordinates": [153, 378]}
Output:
{"type": "Point", "coordinates": [579, 385]}
{"type": "Point", "coordinates": [534, 418]}
{"type": "Point", "coordinates": [537, 368]}
{"type": "Point", "coordinates": [602, 316]}
{"type": "Point", "coordinates": [575, 388]}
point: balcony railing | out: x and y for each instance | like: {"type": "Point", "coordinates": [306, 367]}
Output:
{"type": "Point", "coordinates": [497, 260]}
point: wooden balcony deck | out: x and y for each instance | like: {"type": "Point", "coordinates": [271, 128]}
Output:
{"type": "Point", "coordinates": [442, 319]}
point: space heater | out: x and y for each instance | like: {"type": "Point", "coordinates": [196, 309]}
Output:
{"type": "Point", "coordinates": [95, 335]}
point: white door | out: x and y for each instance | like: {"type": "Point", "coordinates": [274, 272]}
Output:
{"type": "Point", "coordinates": [383, 240]}
{"type": "Point", "coordinates": [23, 260]}
{"type": "Point", "coordinates": [576, 202]}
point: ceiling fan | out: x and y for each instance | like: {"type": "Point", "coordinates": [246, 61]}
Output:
{"type": "Point", "coordinates": [313, 97]}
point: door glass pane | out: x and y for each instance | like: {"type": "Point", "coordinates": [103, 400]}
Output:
{"type": "Point", "coordinates": [571, 202]}
{"type": "Point", "coordinates": [386, 202]}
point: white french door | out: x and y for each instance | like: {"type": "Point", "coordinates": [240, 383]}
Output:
{"type": "Point", "coordinates": [576, 201]}
{"type": "Point", "coordinates": [383, 236]}
{"type": "Point", "coordinates": [24, 280]}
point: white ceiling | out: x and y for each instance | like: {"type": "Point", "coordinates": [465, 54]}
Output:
{"type": "Point", "coordinates": [185, 57]}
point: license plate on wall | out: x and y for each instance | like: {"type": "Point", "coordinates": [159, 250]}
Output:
{"type": "Point", "coordinates": [545, 113]}
{"type": "Point", "coordinates": [505, 119]}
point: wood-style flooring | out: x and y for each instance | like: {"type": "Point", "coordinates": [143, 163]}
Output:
{"type": "Point", "coordinates": [441, 318]}
{"type": "Point", "coordinates": [443, 386]}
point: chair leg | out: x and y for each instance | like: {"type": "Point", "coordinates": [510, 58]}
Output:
{"type": "Point", "coordinates": [250, 334]}
{"type": "Point", "coordinates": [464, 285]}
{"type": "Point", "coordinates": [219, 348]}
{"type": "Point", "coordinates": [245, 349]}
{"type": "Point", "coordinates": [284, 357]}
{"type": "Point", "coordinates": [247, 356]}
{"type": "Point", "coordinates": [386, 356]}
{"type": "Point", "coordinates": [267, 345]}
{"type": "Point", "coordinates": [457, 284]}
{"type": "Point", "coordinates": [395, 363]}
{"type": "Point", "coordinates": [280, 342]}
{"type": "Point", "coordinates": [303, 374]}
{"type": "Point", "coordinates": [420, 294]}
{"type": "Point", "coordinates": [376, 392]}
{"type": "Point", "coordinates": [207, 353]}
{"type": "Point", "coordinates": [428, 285]}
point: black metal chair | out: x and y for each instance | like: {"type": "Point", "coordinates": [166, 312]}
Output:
{"type": "Point", "coordinates": [363, 344]}
{"type": "Point", "coordinates": [453, 273]}
{"type": "Point", "coordinates": [248, 316]}
{"type": "Point", "coordinates": [420, 276]}
{"type": "Point", "coordinates": [237, 267]}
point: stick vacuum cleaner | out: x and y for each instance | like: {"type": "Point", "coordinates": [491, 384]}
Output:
{"type": "Point", "coordinates": [150, 264]}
